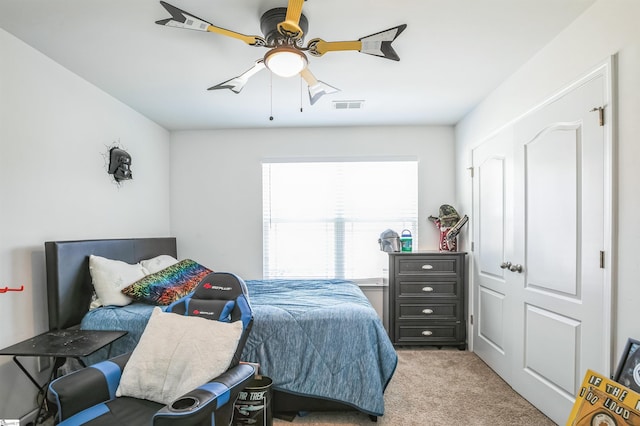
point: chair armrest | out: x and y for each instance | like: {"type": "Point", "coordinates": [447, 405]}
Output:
{"type": "Point", "coordinates": [212, 398]}
{"type": "Point", "coordinates": [87, 387]}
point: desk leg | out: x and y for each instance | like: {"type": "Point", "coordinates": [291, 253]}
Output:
{"type": "Point", "coordinates": [57, 363]}
{"type": "Point", "coordinates": [24, 370]}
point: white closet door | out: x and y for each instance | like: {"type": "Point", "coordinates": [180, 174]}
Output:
{"type": "Point", "coordinates": [493, 236]}
{"type": "Point", "coordinates": [558, 239]}
{"type": "Point", "coordinates": [542, 202]}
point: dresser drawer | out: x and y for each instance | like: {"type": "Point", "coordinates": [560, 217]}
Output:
{"type": "Point", "coordinates": [427, 288]}
{"type": "Point", "coordinates": [428, 311]}
{"type": "Point", "coordinates": [429, 333]}
{"type": "Point", "coordinates": [427, 266]}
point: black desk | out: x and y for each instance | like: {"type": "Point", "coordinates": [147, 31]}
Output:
{"type": "Point", "coordinates": [60, 344]}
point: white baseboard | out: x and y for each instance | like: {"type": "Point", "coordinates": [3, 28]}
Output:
{"type": "Point", "coordinates": [29, 419]}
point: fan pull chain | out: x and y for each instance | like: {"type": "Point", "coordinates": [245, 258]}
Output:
{"type": "Point", "coordinates": [301, 90]}
{"type": "Point", "coordinates": [271, 95]}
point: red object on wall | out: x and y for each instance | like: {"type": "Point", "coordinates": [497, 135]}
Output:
{"type": "Point", "coordinates": [6, 289]}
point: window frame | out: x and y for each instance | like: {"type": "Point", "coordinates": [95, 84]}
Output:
{"type": "Point", "coordinates": [413, 221]}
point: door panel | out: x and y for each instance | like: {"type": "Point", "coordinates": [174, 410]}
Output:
{"type": "Point", "coordinates": [493, 164]}
{"type": "Point", "coordinates": [550, 347]}
{"type": "Point", "coordinates": [559, 231]}
{"type": "Point", "coordinates": [552, 171]}
{"type": "Point", "coordinates": [491, 306]}
{"type": "Point", "coordinates": [491, 215]}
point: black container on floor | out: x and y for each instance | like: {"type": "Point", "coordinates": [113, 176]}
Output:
{"type": "Point", "coordinates": [253, 406]}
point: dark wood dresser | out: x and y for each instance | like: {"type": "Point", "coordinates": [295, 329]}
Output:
{"type": "Point", "coordinates": [427, 303]}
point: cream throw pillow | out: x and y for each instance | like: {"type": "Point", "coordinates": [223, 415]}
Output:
{"type": "Point", "coordinates": [158, 263]}
{"type": "Point", "coordinates": [110, 276]}
{"type": "Point", "coordinates": [176, 354]}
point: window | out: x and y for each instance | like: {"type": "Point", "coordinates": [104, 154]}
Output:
{"type": "Point", "coordinates": [323, 219]}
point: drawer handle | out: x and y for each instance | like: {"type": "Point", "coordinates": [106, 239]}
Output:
{"type": "Point", "coordinates": [427, 266]}
{"type": "Point", "coordinates": [427, 333]}
{"type": "Point", "coordinates": [427, 289]}
{"type": "Point", "coordinates": [427, 311]}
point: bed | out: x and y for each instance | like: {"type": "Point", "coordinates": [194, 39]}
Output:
{"type": "Point", "coordinates": [320, 341]}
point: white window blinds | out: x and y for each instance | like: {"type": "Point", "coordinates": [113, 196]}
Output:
{"type": "Point", "coordinates": [323, 219]}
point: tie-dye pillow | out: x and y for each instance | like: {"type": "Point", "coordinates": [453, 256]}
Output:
{"type": "Point", "coordinates": [167, 285]}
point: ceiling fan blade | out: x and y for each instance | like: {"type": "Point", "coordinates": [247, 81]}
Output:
{"type": "Point", "coordinates": [317, 88]}
{"type": "Point", "coordinates": [378, 44]}
{"type": "Point", "coordinates": [290, 27]}
{"type": "Point", "coordinates": [181, 19]}
{"type": "Point", "coordinates": [236, 84]}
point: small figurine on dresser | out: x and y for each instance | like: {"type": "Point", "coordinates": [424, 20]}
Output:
{"type": "Point", "coordinates": [449, 223]}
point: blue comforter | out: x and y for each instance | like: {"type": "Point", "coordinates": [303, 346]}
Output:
{"type": "Point", "coordinates": [319, 338]}
{"type": "Point", "coordinates": [322, 339]}
{"type": "Point", "coordinates": [132, 318]}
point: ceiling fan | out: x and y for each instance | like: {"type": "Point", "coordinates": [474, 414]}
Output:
{"type": "Point", "coordinates": [284, 29]}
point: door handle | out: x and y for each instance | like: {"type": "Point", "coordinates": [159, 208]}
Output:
{"type": "Point", "coordinates": [505, 265]}
{"type": "Point", "coordinates": [516, 268]}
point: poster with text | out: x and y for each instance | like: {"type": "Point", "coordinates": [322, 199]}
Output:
{"type": "Point", "coordinates": [604, 402]}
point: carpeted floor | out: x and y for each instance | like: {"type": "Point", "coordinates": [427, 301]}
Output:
{"type": "Point", "coordinates": [441, 388]}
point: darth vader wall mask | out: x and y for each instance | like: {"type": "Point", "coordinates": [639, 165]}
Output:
{"type": "Point", "coordinates": [120, 164]}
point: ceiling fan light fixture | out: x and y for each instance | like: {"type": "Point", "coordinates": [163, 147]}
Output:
{"type": "Point", "coordinates": [285, 61]}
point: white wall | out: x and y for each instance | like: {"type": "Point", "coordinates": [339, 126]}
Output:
{"type": "Point", "coordinates": [216, 185]}
{"type": "Point", "coordinates": [609, 27]}
{"type": "Point", "coordinates": [54, 129]}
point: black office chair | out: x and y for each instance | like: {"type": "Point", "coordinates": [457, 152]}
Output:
{"type": "Point", "coordinates": [87, 396]}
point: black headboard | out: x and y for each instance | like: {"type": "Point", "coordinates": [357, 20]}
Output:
{"type": "Point", "coordinates": [69, 287]}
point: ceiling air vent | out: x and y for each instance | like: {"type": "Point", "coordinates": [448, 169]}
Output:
{"type": "Point", "coordinates": [347, 104]}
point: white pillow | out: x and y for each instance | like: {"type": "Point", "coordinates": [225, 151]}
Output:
{"type": "Point", "coordinates": [158, 263]}
{"type": "Point", "coordinates": [110, 276]}
{"type": "Point", "coordinates": [176, 354]}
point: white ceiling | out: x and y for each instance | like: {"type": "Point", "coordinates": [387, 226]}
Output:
{"type": "Point", "coordinates": [452, 54]}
